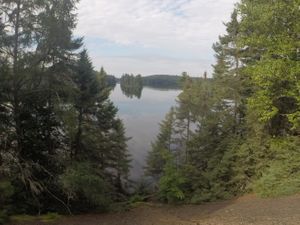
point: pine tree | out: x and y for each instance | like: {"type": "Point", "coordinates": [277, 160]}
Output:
{"type": "Point", "coordinates": [121, 156]}
{"type": "Point", "coordinates": [164, 143]}
{"type": "Point", "coordinates": [33, 54]}
{"type": "Point", "coordinates": [85, 102]}
{"type": "Point", "coordinates": [184, 112]}
{"type": "Point", "coordinates": [99, 148]}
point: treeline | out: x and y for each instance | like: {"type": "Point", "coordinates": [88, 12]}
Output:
{"type": "Point", "coordinates": [111, 80]}
{"type": "Point", "coordinates": [132, 86]}
{"type": "Point", "coordinates": [239, 133]}
{"type": "Point", "coordinates": [162, 81]}
{"type": "Point", "coordinates": [62, 147]}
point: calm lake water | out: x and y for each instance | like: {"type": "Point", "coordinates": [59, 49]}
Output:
{"type": "Point", "coordinates": [141, 118]}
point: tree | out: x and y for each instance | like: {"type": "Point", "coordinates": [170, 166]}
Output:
{"type": "Point", "coordinates": [171, 184]}
{"type": "Point", "coordinates": [276, 73]}
{"type": "Point", "coordinates": [99, 149]}
{"type": "Point", "coordinates": [58, 129]}
{"type": "Point", "coordinates": [36, 60]}
{"type": "Point", "coordinates": [85, 101]}
{"type": "Point", "coordinates": [238, 126]}
{"type": "Point", "coordinates": [164, 143]}
{"type": "Point", "coordinates": [120, 155]}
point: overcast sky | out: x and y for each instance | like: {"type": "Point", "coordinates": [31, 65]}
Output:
{"type": "Point", "coordinates": [152, 36]}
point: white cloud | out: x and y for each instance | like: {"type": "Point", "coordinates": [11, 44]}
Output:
{"type": "Point", "coordinates": [179, 27]}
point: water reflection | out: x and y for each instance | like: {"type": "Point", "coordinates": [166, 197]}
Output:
{"type": "Point", "coordinates": [132, 92]}
{"type": "Point", "coordinates": [141, 118]}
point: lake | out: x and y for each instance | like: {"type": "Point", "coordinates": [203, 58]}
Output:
{"type": "Point", "coordinates": [141, 118]}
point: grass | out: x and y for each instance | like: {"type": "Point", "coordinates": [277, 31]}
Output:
{"type": "Point", "coordinates": [46, 218]}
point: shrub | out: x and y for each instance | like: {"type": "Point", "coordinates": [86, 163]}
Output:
{"type": "Point", "coordinates": [3, 216]}
{"type": "Point", "coordinates": [83, 184]}
{"type": "Point", "coordinates": [171, 184]}
{"type": "Point", "coordinates": [283, 175]}
{"type": "Point", "coordinates": [6, 191]}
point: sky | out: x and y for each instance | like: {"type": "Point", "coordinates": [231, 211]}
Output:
{"type": "Point", "coordinates": [152, 36]}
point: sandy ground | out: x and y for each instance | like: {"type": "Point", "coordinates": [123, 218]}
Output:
{"type": "Point", "coordinates": [243, 211]}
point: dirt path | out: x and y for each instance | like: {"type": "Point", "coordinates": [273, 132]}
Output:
{"type": "Point", "coordinates": [248, 210]}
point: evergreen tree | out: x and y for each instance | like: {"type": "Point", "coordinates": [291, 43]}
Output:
{"type": "Point", "coordinates": [121, 156]}
{"type": "Point", "coordinates": [60, 139]}
{"type": "Point", "coordinates": [34, 54]}
{"type": "Point", "coordinates": [171, 184]}
{"type": "Point", "coordinates": [85, 102]}
{"type": "Point", "coordinates": [185, 104]}
{"type": "Point", "coordinates": [99, 149]}
{"type": "Point", "coordinates": [164, 144]}
{"type": "Point", "coordinates": [246, 119]}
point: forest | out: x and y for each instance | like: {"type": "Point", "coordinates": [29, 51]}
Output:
{"type": "Point", "coordinates": [63, 148]}
{"type": "Point", "coordinates": [239, 133]}
{"type": "Point", "coordinates": [162, 81]}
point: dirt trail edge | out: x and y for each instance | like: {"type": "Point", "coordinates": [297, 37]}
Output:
{"type": "Point", "coordinates": [247, 210]}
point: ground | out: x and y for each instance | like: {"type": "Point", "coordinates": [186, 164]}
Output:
{"type": "Point", "coordinates": [247, 210]}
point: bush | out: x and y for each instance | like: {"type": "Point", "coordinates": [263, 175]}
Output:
{"type": "Point", "coordinates": [283, 175]}
{"type": "Point", "coordinates": [46, 218]}
{"type": "Point", "coordinates": [3, 216]}
{"type": "Point", "coordinates": [49, 217]}
{"type": "Point", "coordinates": [278, 180]}
{"type": "Point", "coordinates": [136, 200]}
{"type": "Point", "coordinates": [6, 191]}
{"type": "Point", "coordinates": [85, 186]}
{"type": "Point", "coordinates": [171, 184]}
{"type": "Point", "coordinates": [200, 197]}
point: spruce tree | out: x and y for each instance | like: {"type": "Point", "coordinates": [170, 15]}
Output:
{"type": "Point", "coordinates": [34, 56]}
{"type": "Point", "coordinates": [99, 149]}
{"type": "Point", "coordinates": [163, 144]}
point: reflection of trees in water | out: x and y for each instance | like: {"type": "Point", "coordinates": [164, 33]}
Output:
{"type": "Point", "coordinates": [132, 91]}
{"type": "Point", "coordinates": [111, 81]}
{"type": "Point", "coordinates": [131, 86]}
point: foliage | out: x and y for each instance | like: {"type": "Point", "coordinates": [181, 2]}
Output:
{"type": "Point", "coordinates": [171, 184]}
{"type": "Point", "coordinates": [63, 148]}
{"type": "Point", "coordinates": [136, 200]}
{"type": "Point", "coordinates": [6, 190]}
{"type": "Point", "coordinates": [282, 177]}
{"type": "Point", "coordinates": [49, 217]}
{"type": "Point", "coordinates": [164, 143]}
{"type": "Point", "coordinates": [85, 187]}
{"type": "Point", "coordinates": [276, 74]}
{"type": "Point", "coordinates": [239, 132]}
{"type": "Point", "coordinates": [46, 218]}
{"type": "Point", "coordinates": [54, 112]}
{"type": "Point", "coordinates": [162, 81]}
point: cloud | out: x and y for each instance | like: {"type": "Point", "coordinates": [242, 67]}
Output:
{"type": "Point", "coordinates": [180, 28]}
{"type": "Point", "coordinates": [150, 65]}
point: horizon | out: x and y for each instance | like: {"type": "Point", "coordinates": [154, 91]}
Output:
{"type": "Point", "coordinates": [150, 75]}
